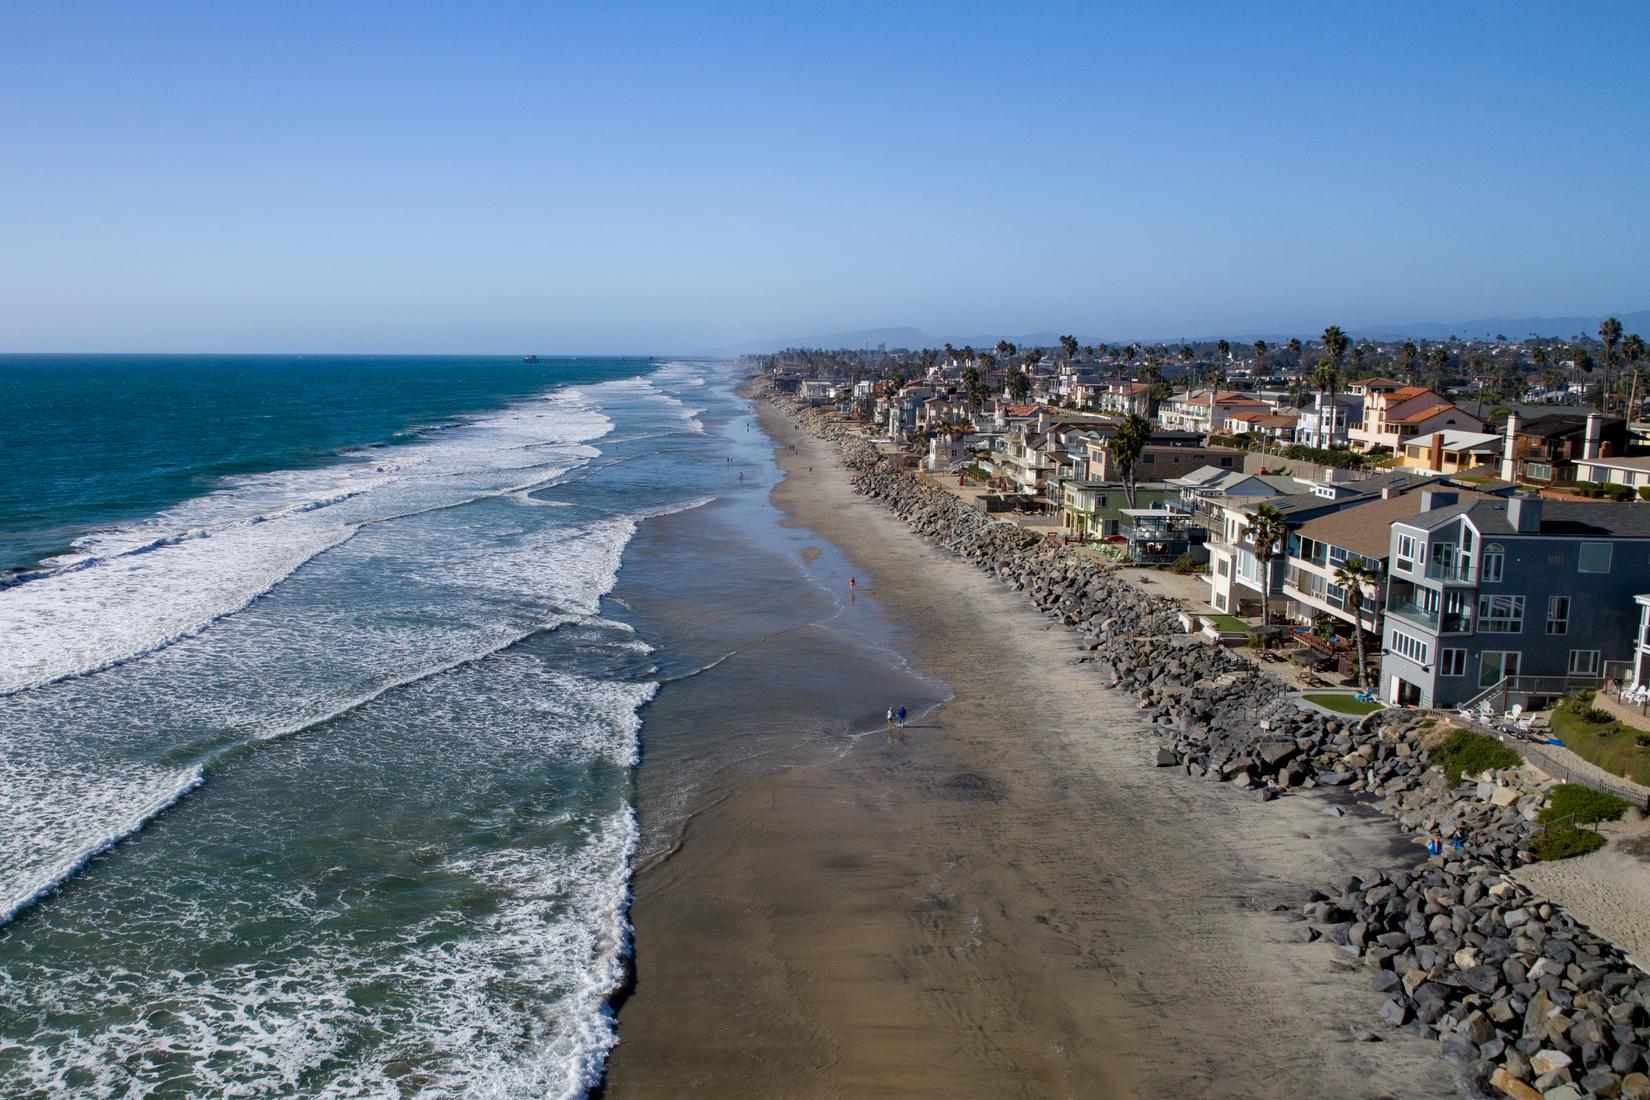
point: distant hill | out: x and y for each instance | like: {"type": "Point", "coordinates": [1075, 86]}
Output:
{"type": "Point", "coordinates": [1514, 328]}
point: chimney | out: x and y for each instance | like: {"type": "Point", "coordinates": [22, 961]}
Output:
{"type": "Point", "coordinates": [1595, 428]}
{"type": "Point", "coordinates": [1524, 513]}
{"type": "Point", "coordinates": [1390, 492]}
{"type": "Point", "coordinates": [1509, 450]}
{"type": "Point", "coordinates": [1435, 460]}
{"type": "Point", "coordinates": [1437, 498]}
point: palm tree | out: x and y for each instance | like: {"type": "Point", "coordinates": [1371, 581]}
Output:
{"type": "Point", "coordinates": [950, 353]}
{"type": "Point", "coordinates": [1032, 357]}
{"type": "Point", "coordinates": [1438, 359]}
{"type": "Point", "coordinates": [1582, 358]}
{"type": "Point", "coordinates": [1354, 575]}
{"type": "Point", "coordinates": [1267, 528]}
{"type": "Point", "coordinates": [1223, 348]}
{"type": "Point", "coordinates": [1295, 350]}
{"type": "Point", "coordinates": [1017, 384]}
{"type": "Point", "coordinates": [1125, 447]}
{"type": "Point", "coordinates": [1260, 354]}
{"type": "Point", "coordinates": [1068, 344]}
{"type": "Point", "coordinates": [1408, 357]}
{"type": "Point", "coordinates": [1327, 379]}
{"type": "Point", "coordinates": [1609, 334]}
{"type": "Point", "coordinates": [1479, 369]}
{"type": "Point", "coordinates": [1632, 350]}
{"type": "Point", "coordinates": [1334, 342]}
{"type": "Point", "coordinates": [1004, 349]}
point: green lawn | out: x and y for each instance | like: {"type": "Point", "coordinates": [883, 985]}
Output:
{"type": "Point", "coordinates": [1342, 704]}
{"type": "Point", "coordinates": [1610, 745]}
{"type": "Point", "coordinates": [1228, 624]}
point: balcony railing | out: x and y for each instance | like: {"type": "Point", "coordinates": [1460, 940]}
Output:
{"type": "Point", "coordinates": [1460, 572]}
{"type": "Point", "coordinates": [1412, 612]}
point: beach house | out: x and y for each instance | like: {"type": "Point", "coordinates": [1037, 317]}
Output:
{"type": "Point", "coordinates": [1326, 421]}
{"type": "Point", "coordinates": [1528, 596]}
{"type": "Point", "coordinates": [1449, 451]}
{"type": "Point", "coordinates": [1393, 417]}
{"type": "Point", "coordinates": [1206, 411]}
{"type": "Point", "coordinates": [1546, 450]}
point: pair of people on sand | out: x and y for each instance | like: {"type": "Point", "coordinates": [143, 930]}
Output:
{"type": "Point", "coordinates": [896, 715]}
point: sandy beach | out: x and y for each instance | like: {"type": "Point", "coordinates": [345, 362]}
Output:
{"type": "Point", "coordinates": [1007, 900]}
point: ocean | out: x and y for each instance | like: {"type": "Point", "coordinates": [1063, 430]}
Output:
{"type": "Point", "coordinates": [322, 687]}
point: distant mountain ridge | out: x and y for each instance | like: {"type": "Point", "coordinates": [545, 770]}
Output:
{"type": "Point", "coordinates": [1514, 328]}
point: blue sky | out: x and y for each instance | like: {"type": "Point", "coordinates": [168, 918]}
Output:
{"type": "Point", "coordinates": [649, 178]}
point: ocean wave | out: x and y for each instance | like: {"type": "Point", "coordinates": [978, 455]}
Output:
{"type": "Point", "coordinates": [136, 590]}
{"type": "Point", "coordinates": [130, 803]}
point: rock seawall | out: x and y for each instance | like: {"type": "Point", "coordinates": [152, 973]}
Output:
{"type": "Point", "coordinates": [1517, 994]}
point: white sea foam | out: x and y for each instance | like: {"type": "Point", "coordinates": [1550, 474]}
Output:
{"type": "Point", "coordinates": [507, 1002]}
{"type": "Point", "coordinates": [36, 855]}
{"type": "Point", "coordinates": [139, 588]}
{"type": "Point", "coordinates": [504, 999]}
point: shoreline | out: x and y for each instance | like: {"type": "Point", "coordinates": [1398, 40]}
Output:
{"type": "Point", "coordinates": [1001, 904]}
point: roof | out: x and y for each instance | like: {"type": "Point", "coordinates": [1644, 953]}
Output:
{"type": "Point", "coordinates": [1428, 413]}
{"type": "Point", "coordinates": [1630, 462]}
{"type": "Point", "coordinates": [1409, 392]}
{"type": "Point", "coordinates": [1559, 518]}
{"type": "Point", "coordinates": [1455, 439]}
{"type": "Point", "coordinates": [1382, 382]}
{"type": "Point", "coordinates": [1557, 424]}
{"type": "Point", "coordinates": [1365, 528]}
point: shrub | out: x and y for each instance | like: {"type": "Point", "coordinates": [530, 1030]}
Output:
{"type": "Point", "coordinates": [1571, 800]}
{"type": "Point", "coordinates": [1465, 751]}
{"type": "Point", "coordinates": [1565, 842]}
{"type": "Point", "coordinates": [1186, 563]}
{"type": "Point", "coordinates": [1644, 492]}
{"type": "Point", "coordinates": [1594, 715]}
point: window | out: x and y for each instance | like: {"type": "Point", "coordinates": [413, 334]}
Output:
{"type": "Point", "coordinates": [1583, 662]}
{"type": "Point", "coordinates": [1412, 648]}
{"type": "Point", "coordinates": [1148, 458]}
{"type": "Point", "coordinates": [1224, 567]}
{"type": "Point", "coordinates": [1226, 462]}
{"type": "Point", "coordinates": [1457, 611]}
{"type": "Point", "coordinates": [1495, 666]}
{"type": "Point", "coordinates": [1493, 560]}
{"type": "Point", "coordinates": [1500, 614]}
{"type": "Point", "coordinates": [1593, 558]}
{"type": "Point", "coordinates": [1406, 552]}
{"type": "Point", "coordinates": [1452, 662]}
{"type": "Point", "coordinates": [1558, 615]}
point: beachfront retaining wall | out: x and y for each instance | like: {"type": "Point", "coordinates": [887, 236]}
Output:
{"type": "Point", "coordinates": [1516, 993]}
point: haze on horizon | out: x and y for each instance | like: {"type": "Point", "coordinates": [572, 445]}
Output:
{"type": "Point", "coordinates": [517, 177]}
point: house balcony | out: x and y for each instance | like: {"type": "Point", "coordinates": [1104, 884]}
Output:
{"type": "Point", "coordinates": [1457, 572]}
{"type": "Point", "coordinates": [1432, 621]}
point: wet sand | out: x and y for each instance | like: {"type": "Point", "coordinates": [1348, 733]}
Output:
{"type": "Point", "coordinates": [1006, 901]}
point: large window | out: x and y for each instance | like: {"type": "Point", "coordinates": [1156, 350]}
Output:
{"type": "Point", "coordinates": [1413, 648]}
{"type": "Point", "coordinates": [1493, 560]}
{"type": "Point", "coordinates": [1407, 547]}
{"type": "Point", "coordinates": [1583, 662]}
{"type": "Point", "coordinates": [1496, 665]}
{"type": "Point", "coordinates": [1558, 615]}
{"type": "Point", "coordinates": [1452, 662]}
{"type": "Point", "coordinates": [1500, 614]}
{"type": "Point", "coordinates": [1593, 558]}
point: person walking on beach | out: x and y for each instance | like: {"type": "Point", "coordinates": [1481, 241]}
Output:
{"type": "Point", "coordinates": [853, 583]}
{"type": "Point", "coordinates": [890, 721]}
{"type": "Point", "coordinates": [901, 716]}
